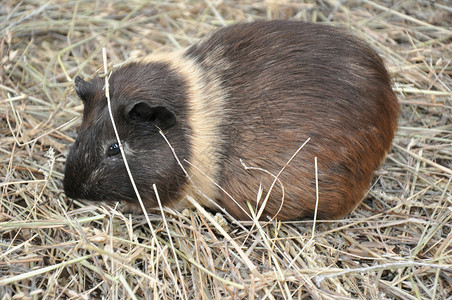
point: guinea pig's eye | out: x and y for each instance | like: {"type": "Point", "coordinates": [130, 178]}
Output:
{"type": "Point", "coordinates": [113, 150]}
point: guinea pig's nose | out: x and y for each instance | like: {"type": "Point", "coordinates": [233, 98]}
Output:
{"type": "Point", "coordinates": [70, 193]}
{"type": "Point", "coordinates": [73, 190]}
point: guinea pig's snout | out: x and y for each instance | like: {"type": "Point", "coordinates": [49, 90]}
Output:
{"type": "Point", "coordinates": [73, 184]}
{"type": "Point", "coordinates": [74, 190]}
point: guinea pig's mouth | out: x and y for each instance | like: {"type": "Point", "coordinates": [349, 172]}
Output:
{"type": "Point", "coordinates": [110, 198]}
{"type": "Point", "coordinates": [73, 193]}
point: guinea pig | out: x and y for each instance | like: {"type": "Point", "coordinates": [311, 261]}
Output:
{"type": "Point", "coordinates": [250, 95]}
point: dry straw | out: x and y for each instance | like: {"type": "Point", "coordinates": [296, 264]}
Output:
{"type": "Point", "coordinates": [396, 245]}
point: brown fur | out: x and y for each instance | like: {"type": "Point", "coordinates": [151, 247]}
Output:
{"type": "Point", "coordinates": [252, 92]}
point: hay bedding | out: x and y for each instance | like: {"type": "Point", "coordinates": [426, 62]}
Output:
{"type": "Point", "coordinates": [396, 245]}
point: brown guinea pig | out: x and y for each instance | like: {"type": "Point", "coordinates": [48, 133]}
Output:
{"type": "Point", "coordinates": [248, 94]}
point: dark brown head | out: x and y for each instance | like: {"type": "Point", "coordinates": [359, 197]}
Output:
{"type": "Point", "coordinates": [145, 97]}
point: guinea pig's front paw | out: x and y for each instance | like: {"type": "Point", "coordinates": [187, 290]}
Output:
{"type": "Point", "coordinates": [127, 207]}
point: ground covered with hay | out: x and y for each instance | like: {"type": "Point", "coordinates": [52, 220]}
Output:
{"type": "Point", "coordinates": [396, 245]}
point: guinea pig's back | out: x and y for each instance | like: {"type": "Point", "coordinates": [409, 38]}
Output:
{"type": "Point", "coordinates": [285, 82]}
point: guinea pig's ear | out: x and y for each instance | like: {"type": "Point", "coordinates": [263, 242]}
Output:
{"type": "Point", "coordinates": [160, 116]}
{"type": "Point", "coordinates": [82, 88]}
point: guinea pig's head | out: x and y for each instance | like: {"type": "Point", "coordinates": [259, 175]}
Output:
{"type": "Point", "coordinates": [145, 98]}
